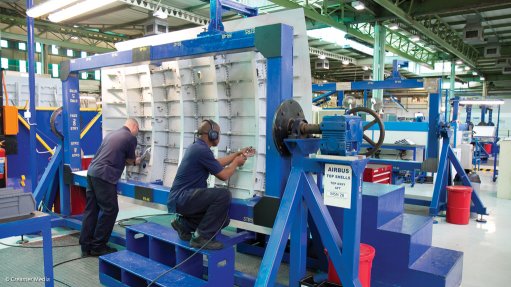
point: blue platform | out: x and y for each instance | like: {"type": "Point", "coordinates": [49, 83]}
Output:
{"type": "Point", "coordinates": [404, 255]}
{"type": "Point", "coordinates": [153, 249]}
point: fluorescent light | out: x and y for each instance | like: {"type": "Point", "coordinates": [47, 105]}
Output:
{"type": "Point", "coordinates": [358, 5]}
{"type": "Point", "coordinates": [467, 68]}
{"type": "Point", "coordinates": [48, 7]}
{"type": "Point", "coordinates": [74, 38]}
{"type": "Point", "coordinates": [415, 38]}
{"type": "Point", "coordinates": [324, 81]}
{"type": "Point", "coordinates": [482, 78]}
{"type": "Point", "coordinates": [345, 62]}
{"type": "Point", "coordinates": [160, 14]}
{"type": "Point", "coordinates": [482, 102]}
{"type": "Point", "coordinates": [474, 73]}
{"type": "Point", "coordinates": [393, 26]}
{"type": "Point", "coordinates": [459, 62]}
{"type": "Point", "coordinates": [78, 9]}
{"type": "Point", "coordinates": [365, 68]}
{"type": "Point", "coordinates": [322, 57]}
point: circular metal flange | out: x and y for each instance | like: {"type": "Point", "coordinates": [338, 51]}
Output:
{"type": "Point", "coordinates": [56, 123]}
{"type": "Point", "coordinates": [283, 119]}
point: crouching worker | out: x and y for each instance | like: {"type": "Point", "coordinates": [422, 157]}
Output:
{"type": "Point", "coordinates": [203, 211]}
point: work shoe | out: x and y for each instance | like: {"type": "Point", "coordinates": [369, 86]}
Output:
{"type": "Point", "coordinates": [85, 253]}
{"type": "Point", "coordinates": [181, 230]}
{"type": "Point", "coordinates": [200, 242]}
{"type": "Point", "coordinates": [103, 251]}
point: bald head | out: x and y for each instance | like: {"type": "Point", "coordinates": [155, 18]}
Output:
{"type": "Point", "coordinates": [132, 125]}
{"type": "Point", "coordinates": [204, 129]}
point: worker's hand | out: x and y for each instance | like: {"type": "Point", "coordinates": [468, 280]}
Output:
{"type": "Point", "coordinates": [240, 160]}
{"type": "Point", "coordinates": [248, 151]}
{"type": "Point", "coordinates": [138, 160]}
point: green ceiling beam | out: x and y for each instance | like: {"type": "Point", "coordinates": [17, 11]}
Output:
{"type": "Point", "coordinates": [395, 43]}
{"type": "Point", "coordinates": [64, 44]}
{"type": "Point", "coordinates": [437, 31]}
{"type": "Point", "coordinates": [447, 8]}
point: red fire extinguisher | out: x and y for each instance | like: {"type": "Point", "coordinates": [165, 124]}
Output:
{"type": "Point", "coordinates": [2, 162]}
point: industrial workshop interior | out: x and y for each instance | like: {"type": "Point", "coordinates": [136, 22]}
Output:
{"type": "Point", "coordinates": [302, 143]}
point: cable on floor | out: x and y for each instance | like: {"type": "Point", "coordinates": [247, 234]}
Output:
{"type": "Point", "coordinates": [189, 257]}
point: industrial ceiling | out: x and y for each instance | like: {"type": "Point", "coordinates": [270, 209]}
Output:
{"type": "Point", "coordinates": [438, 24]}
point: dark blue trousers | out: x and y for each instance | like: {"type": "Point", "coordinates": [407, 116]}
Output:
{"type": "Point", "coordinates": [99, 215]}
{"type": "Point", "coordinates": [204, 210]}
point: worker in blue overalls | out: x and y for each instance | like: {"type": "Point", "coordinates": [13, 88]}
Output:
{"type": "Point", "coordinates": [116, 151]}
{"type": "Point", "coordinates": [203, 211]}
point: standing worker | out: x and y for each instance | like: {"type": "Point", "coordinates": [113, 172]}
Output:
{"type": "Point", "coordinates": [203, 211]}
{"type": "Point", "coordinates": [116, 151]}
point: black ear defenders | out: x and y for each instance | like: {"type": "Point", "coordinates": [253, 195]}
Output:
{"type": "Point", "coordinates": [212, 134]}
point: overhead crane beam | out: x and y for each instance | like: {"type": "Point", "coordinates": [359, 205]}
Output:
{"type": "Point", "coordinates": [394, 42]}
{"type": "Point", "coordinates": [439, 32]}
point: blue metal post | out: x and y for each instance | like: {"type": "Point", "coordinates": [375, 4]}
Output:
{"type": "Point", "coordinates": [215, 16]}
{"type": "Point", "coordinates": [434, 122]}
{"type": "Point", "coordinates": [483, 113]}
{"type": "Point", "coordinates": [72, 160]}
{"type": "Point", "coordinates": [340, 98]}
{"type": "Point", "coordinates": [31, 87]}
{"type": "Point", "coordinates": [469, 113]}
{"type": "Point", "coordinates": [280, 79]}
{"type": "Point", "coordinates": [298, 254]}
{"type": "Point", "coordinates": [455, 111]}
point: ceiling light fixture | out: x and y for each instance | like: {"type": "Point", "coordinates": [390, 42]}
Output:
{"type": "Point", "coordinates": [365, 68]}
{"type": "Point", "coordinates": [474, 73]}
{"type": "Point", "coordinates": [74, 38]}
{"type": "Point", "coordinates": [467, 68]}
{"type": "Point", "coordinates": [78, 9]}
{"type": "Point", "coordinates": [393, 26]}
{"type": "Point", "coordinates": [48, 7]}
{"type": "Point", "coordinates": [322, 57]}
{"type": "Point", "coordinates": [358, 5]}
{"type": "Point", "coordinates": [459, 62]}
{"type": "Point", "coordinates": [482, 79]}
{"type": "Point", "coordinates": [345, 62]}
{"type": "Point", "coordinates": [415, 38]}
{"type": "Point", "coordinates": [160, 14]}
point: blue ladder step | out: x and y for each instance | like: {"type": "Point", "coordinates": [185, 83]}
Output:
{"type": "Point", "coordinates": [127, 268]}
{"type": "Point", "coordinates": [407, 223]}
{"type": "Point", "coordinates": [381, 203]}
{"type": "Point", "coordinates": [169, 235]}
{"type": "Point", "coordinates": [414, 234]}
{"type": "Point", "coordinates": [444, 265]}
{"type": "Point", "coordinates": [162, 244]}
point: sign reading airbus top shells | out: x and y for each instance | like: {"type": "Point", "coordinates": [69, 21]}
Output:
{"type": "Point", "coordinates": [337, 185]}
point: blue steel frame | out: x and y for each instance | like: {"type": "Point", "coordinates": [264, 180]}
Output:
{"type": "Point", "coordinates": [436, 129]}
{"type": "Point", "coordinates": [398, 83]}
{"type": "Point", "coordinates": [279, 76]}
{"type": "Point", "coordinates": [301, 197]}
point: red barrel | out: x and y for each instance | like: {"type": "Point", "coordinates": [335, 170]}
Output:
{"type": "Point", "coordinates": [367, 253]}
{"type": "Point", "coordinates": [487, 147]}
{"type": "Point", "coordinates": [458, 204]}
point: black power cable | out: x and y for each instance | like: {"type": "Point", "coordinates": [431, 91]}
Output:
{"type": "Point", "coordinates": [189, 257]}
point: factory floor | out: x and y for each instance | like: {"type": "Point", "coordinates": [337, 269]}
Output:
{"type": "Point", "coordinates": [487, 252]}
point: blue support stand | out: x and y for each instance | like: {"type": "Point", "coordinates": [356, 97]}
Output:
{"type": "Point", "coordinates": [439, 200]}
{"type": "Point", "coordinates": [301, 197]}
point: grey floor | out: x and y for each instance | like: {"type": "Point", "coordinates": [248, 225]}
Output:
{"type": "Point", "coordinates": [487, 247]}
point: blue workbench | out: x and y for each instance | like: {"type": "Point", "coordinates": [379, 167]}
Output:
{"type": "Point", "coordinates": [413, 148]}
{"type": "Point", "coordinates": [38, 222]}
